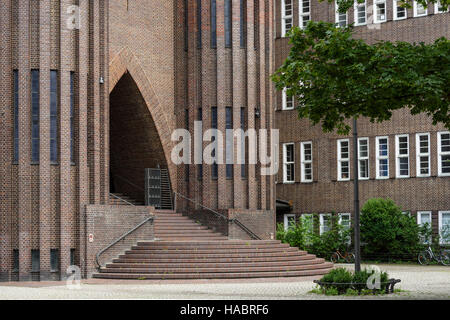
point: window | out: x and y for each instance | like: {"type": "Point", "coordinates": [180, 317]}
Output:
{"type": "Point", "coordinates": [363, 155]}
{"type": "Point", "coordinates": [399, 11]}
{"type": "Point", "coordinates": [35, 261]}
{"type": "Point", "coordinates": [346, 222]}
{"type": "Point", "coordinates": [16, 115]}
{"type": "Point", "coordinates": [308, 225]}
{"type": "Point", "coordinates": [243, 24]}
{"type": "Point", "coordinates": [402, 156]}
{"type": "Point", "coordinates": [54, 260]}
{"type": "Point", "coordinates": [228, 17]}
{"type": "Point", "coordinates": [304, 13]}
{"type": "Point", "coordinates": [438, 8]}
{"type": "Point", "coordinates": [54, 116]}
{"type": "Point", "coordinates": [360, 13]}
{"type": "Point", "coordinates": [341, 18]}
{"type": "Point", "coordinates": [306, 163]}
{"type": "Point", "coordinates": [382, 164]}
{"type": "Point", "coordinates": [343, 159]}
{"type": "Point", "coordinates": [229, 142]}
{"type": "Point", "coordinates": [288, 163]}
{"type": "Point", "coordinates": [380, 11]}
{"type": "Point", "coordinates": [199, 24]}
{"type": "Point", "coordinates": [444, 227]}
{"type": "Point", "coordinates": [15, 266]}
{"type": "Point", "coordinates": [35, 116]}
{"type": "Point", "coordinates": [287, 101]}
{"type": "Point", "coordinates": [423, 154]}
{"type": "Point", "coordinates": [243, 167]}
{"type": "Point", "coordinates": [213, 24]}
{"type": "Point", "coordinates": [424, 217]}
{"type": "Point", "coordinates": [407, 213]}
{"type": "Point", "coordinates": [325, 222]}
{"type": "Point", "coordinates": [444, 153]}
{"type": "Point", "coordinates": [286, 16]}
{"type": "Point", "coordinates": [289, 221]}
{"type": "Point", "coordinates": [72, 256]}
{"type": "Point", "coordinates": [419, 10]}
{"type": "Point", "coordinates": [214, 167]}
{"type": "Point", "coordinates": [72, 120]}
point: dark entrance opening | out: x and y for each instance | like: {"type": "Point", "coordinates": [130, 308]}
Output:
{"type": "Point", "coordinates": [134, 141]}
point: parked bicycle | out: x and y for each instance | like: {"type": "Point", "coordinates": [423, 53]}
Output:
{"type": "Point", "coordinates": [428, 255]}
{"type": "Point", "coordinates": [348, 257]}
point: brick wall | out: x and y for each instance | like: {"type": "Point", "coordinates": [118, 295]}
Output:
{"type": "Point", "coordinates": [326, 193]}
{"type": "Point", "coordinates": [262, 223]}
{"type": "Point", "coordinates": [107, 223]}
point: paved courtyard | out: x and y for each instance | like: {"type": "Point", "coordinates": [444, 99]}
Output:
{"type": "Point", "coordinates": [418, 282]}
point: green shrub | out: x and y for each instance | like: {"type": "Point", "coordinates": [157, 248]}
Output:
{"type": "Point", "coordinates": [386, 230]}
{"type": "Point", "coordinates": [360, 279]}
{"type": "Point", "coordinates": [338, 275]}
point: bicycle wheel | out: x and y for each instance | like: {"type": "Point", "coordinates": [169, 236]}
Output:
{"type": "Point", "coordinates": [444, 258]}
{"type": "Point", "coordinates": [424, 258]}
{"type": "Point", "coordinates": [350, 258]}
{"type": "Point", "coordinates": [334, 257]}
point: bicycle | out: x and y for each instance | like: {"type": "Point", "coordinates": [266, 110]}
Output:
{"type": "Point", "coordinates": [428, 255]}
{"type": "Point", "coordinates": [349, 257]}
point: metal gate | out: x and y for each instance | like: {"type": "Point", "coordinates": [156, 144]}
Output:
{"type": "Point", "coordinates": [153, 188]}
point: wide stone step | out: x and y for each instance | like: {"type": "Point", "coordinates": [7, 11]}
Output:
{"type": "Point", "coordinates": [229, 275]}
{"type": "Point", "coordinates": [228, 260]}
{"type": "Point", "coordinates": [208, 251]}
{"type": "Point", "coordinates": [211, 255]}
{"type": "Point", "coordinates": [230, 269]}
{"type": "Point", "coordinates": [159, 246]}
{"type": "Point", "coordinates": [215, 243]}
{"type": "Point", "coordinates": [214, 265]}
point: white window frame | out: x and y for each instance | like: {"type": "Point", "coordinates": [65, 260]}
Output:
{"type": "Point", "coordinates": [355, 10]}
{"type": "Point", "coordinates": [304, 162]}
{"type": "Point", "coordinates": [420, 223]}
{"type": "Point", "coordinates": [441, 213]}
{"type": "Point", "coordinates": [441, 154]}
{"type": "Point", "coordinates": [396, 12]}
{"type": "Point", "coordinates": [436, 8]}
{"type": "Point", "coordinates": [286, 163]}
{"type": "Point", "coordinates": [349, 218]}
{"type": "Point", "coordinates": [375, 11]}
{"type": "Point", "coordinates": [337, 15]}
{"type": "Point", "coordinates": [378, 157]}
{"type": "Point", "coordinates": [286, 220]}
{"type": "Point", "coordinates": [321, 219]}
{"type": "Point", "coordinates": [284, 102]}
{"type": "Point", "coordinates": [399, 156]}
{"type": "Point", "coordinates": [420, 154]}
{"type": "Point", "coordinates": [361, 158]}
{"type": "Point", "coordinates": [285, 17]}
{"type": "Point", "coordinates": [340, 160]}
{"type": "Point", "coordinates": [415, 7]}
{"type": "Point", "coordinates": [302, 13]}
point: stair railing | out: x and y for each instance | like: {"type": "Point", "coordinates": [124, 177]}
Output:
{"type": "Point", "coordinates": [218, 214]}
{"type": "Point", "coordinates": [121, 199]}
{"type": "Point", "coordinates": [129, 182]}
{"type": "Point", "coordinates": [97, 256]}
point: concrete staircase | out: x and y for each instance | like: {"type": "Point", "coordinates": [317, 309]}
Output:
{"type": "Point", "coordinates": [185, 249]}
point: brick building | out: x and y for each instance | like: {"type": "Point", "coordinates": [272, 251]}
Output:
{"type": "Point", "coordinates": [318, 168]}
{"type": "Point", "coordinates": [91, 92]}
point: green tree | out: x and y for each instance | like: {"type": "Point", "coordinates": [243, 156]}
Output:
{"type": "Point", "coordinates": [335, 77]}
{"type": "Point", "coordinates": [385, 230]}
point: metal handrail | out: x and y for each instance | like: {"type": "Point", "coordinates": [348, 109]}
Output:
{"type": "Point", "coordinates": [117, 197]}
{"type": "Point", "coordinates": [129, 182]}
{"type": "Point", "coordinates": [234, 220]}
{"type": "Point", "coordinates": [97, 256]}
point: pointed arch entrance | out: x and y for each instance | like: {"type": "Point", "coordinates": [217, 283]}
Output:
{"type": "Point", "coordinates": [140, 130]}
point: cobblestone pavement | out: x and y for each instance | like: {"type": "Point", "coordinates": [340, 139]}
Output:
{"type": "Point", "coordinates": [432, 282]}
